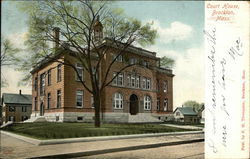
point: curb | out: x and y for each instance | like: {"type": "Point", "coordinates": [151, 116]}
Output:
{"type": "Point", "coordinates": [98, 138]}
{"type": "Point", "coordinates": [112, 150]}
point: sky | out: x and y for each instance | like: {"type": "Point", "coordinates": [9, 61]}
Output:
{"type": "Point", "coordinates": [180, 36]}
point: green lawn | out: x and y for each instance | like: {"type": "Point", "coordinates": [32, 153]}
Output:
{"type": "Point", "coordinates": [71, 130]}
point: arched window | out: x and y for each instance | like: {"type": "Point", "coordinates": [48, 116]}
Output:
{"type": "Point", "coordinates": [147, 102]}
{"type": "Point", "coordinates": [117, 101]}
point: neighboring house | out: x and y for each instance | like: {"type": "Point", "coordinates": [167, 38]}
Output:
{"type": "Point", "coordinates": [201, 114]}
{"type": "Point", "coordinates": [16, 107]}
{"type": "Point", "coordinates": [186, 114]}
{"type": "Point", "coordinates": [142, 93]}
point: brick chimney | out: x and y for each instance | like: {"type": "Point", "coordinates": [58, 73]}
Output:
{"type": "Point", "coordinates": [20, 92]}
{"type": "Point", "coordinates": [56, 36]}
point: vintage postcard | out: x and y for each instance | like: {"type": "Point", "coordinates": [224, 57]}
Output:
{"type": "Point", "coordinates": [124, 79]}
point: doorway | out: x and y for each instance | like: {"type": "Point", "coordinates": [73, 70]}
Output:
{"type": "Point", "coordinates": [134, 105]}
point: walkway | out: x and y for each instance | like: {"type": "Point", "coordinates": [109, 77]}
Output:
{"type": "Point", "coordinates": [12, 148]}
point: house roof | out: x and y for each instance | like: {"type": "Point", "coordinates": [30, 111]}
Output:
{"type": "Point", "coordinates": [9, 98]}
{"type": "Point", "coordinates": [186, 110]}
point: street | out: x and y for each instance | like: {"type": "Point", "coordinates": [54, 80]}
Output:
{"type": "Point", "coordinates": [183, 151]}
{"type": "Point", "coordinates": [14, 148]}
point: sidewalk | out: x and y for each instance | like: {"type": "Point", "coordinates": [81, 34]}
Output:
{"type": "Point", "coordinates": [14, 148]}
{"type": "Point", "coordinates": [193, 127]}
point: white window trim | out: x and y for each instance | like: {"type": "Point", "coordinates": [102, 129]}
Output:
{"type": "Point", "coordinates": [147, 102]}
{"type": "Point", "coordinates": [79, 68]}
{"type": "Point", "coordinates": [82, 94]}
{"type": "Point", "coordinates": [118, 99]}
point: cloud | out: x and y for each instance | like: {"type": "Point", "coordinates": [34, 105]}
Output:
{"type": "Point", "coordinates": [189, 70]}
{"type": "Point", "coordinates": [12, 77]}
{"type": "Point", "coordinates": [177, 31]}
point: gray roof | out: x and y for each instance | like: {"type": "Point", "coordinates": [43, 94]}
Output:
{"type": "Point", "coordinates": [9, 98]}
{"type": "Point", "coordinates": [187, 110]}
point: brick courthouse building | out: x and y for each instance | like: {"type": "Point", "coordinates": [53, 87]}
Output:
{"type": "Point", "coordinates": [141, 93]}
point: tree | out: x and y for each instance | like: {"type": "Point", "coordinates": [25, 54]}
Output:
{"type": "Point", "coordinates": [197, 106]}
{"type": "Point", "coordinates": [8, 57]}
{"type": "Point", "coordinates": [77, 21]}
{"type": "Point", "coordinates": [167, 62]}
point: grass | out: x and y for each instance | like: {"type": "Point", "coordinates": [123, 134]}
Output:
{"type": "Point", "coordinates": [72, 130]}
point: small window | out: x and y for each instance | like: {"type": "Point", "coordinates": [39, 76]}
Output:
{"type": "Point", "coordinates": [12, 109]}
{"type": "Point", "coordinates": [59, 72]}
{"type": "Point", "coordinates": [119, 58]}
{"type": "Point", "coordinates": [118, 80]}
{"type": "Point", "coordinates": [92, 102]}
{"type": "Point", "coordinates": [79, 118]}
{"type": "Point", "coordinates": [24, 118]}
{"type": "Point", "coordinates": [165, 105]}
{"type": "Point", "coordinates": [148, 85]}
{"type": "Point", "coordinates": [79, 99]}
{"type": "Point", "coordinates": [132, 61]}
{"type": "Point", "coordinates": [49, 77]}
{"type": "Point", "coordinates": [24, 109]}
{"type": "Point", "coordinates": [129, 80]}
{"type": "Point", "coordinates": [147, 103]}
{"type": "Point", "coordinates": [133, 81]}
{"type": "Point", "coordinates": [79, 73]}
{"type": "Point", "coordinates": [177, 113]}
{"type": "Point", "coordinates": [42, 84]}
{"type": "Point", "coordinates": [58, 98]}
{"type": "Point", "coordinates": [12, 118]}
{"type": "Point", "coordinates": [157, 85]}
{"type": "Point", "coordinates": [145, 63]}
{"type": "Point", "coordinates": [118, 101]}
{"type": "Point", "coordinates": [144, 83]}
{"type": "Point", "coordinates": [35, 103]}
{"type": "Point", "coordinates": [158, 104]}
{"type": "Point", "coordinates": [36, 84]}
{"type": "Point", "coordinates": [137, 81]}
{"type": "Point", "coordinates": [165, 86]}
{"type": "Point", "coordinates": [48, 100]}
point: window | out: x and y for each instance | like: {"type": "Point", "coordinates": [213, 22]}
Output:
{"type": "Point", "coordinates": [35, 84]}
{"type": "Point", "coordinates": [11, 118]}
{"type": "Point", "coordinates": [148, 83]}
{"type": "Point", "coordinates": [79, 118]}
{"type": "Point", "coordinates": [137, 81]}
{"type": "Point", "coordinates": [158, 104]}
{"type": "Point", "coordinates": [79, 69]}
{"type": "Point", "coordinates": [117, 101]}
{"type": "Point", "coordinates": [165, 105]}
{"type": "Point", "coordinates": [133, 81]}
{"type": "Point", "coordinates": [147, 103]}
{"type": "Point", "coordinates": [49, 77]}
{"type": "Point", "coordinates": [79, 99]}
{"type": "Point", "coordinates": [157, 85]}
{"type": "Point", "coordinates": [145, 63]}
{"type": "Point", "coordinates": [144, 83]}
{"type": "Point", "coordinates": [12, 109]}
{"type": "Point", "coordinates": [92, 102]}
{"type": "Point", "coordinates": [118, 80]}
{"type": "Point", "coordinates": [35, 103]}
{"type": "Point", "coordinates": [115, 79]}
{"type": "Point", "coordinates": [119, 58]}
{"type": "Point", "coordinates": [132, 61]}
{"type": "Point", "coordinates": [129, 80]}
{"type": "Point", "coordinates": [165, 86]}
{"type": "Point", "coordinates": [48, 100]}
{"type": "Point", "coordinates": [24, 118]}
{"type": "Point", "coordinates": [42, 84]}
{"type": "Point", "coordinates": [58, 99]}
{"type": "Point", "coordinates": [177, 113]}
{"type": "Point", "coordinates": [59, 72]}
{"type": "Point", "coordinates": [24, 109]}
